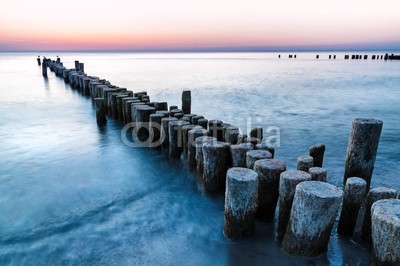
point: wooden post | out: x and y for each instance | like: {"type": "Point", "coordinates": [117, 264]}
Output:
{"type": "Point", "coordinates": [100, 111]}
{"type": "Point", "coordinates": [240, 203]}
{"type": "Point", "coordinates": [287, 185]}
{"type": "Point", "coordinates": [386, 232]}
{"type": "Point", "coordinates": [373, 196]}
{"type": "Point", "coordinates": [313, 214]}
{"type": "Point", "coordinates": [304, 163]}
{"type": "Point", "coordinates": [254, 155]}
{"type": "Point", "coordinates": [362, 149]}
{"type": "Point", "coordinates": [215, 163]}
{"type": "Point", "coordinates": [354, 194]}
{"type": "Point", "coordinates": [317, 152]}
{"type": "Point", "coordinates": [269, 172]}
{"type": "Point", "coordinates": [186, 102]}
{"type": "Point", "coordinates": [44, 69]}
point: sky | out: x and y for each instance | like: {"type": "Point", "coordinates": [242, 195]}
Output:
{"type": "Point", "coordinates": [199, 25]}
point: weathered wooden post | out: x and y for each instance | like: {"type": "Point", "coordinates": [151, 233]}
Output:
{"type": "Point", "coordinates": [82, 67]}
{"type": "Point", "coordinates": [100, 111]}
{"type": "Point", "coordinates": [287, 185]}
{"type": "Point", "coordinates": [354, 194]}
{"type": "Point", "coordinates": [215, 129]}
{"type": "Point", "coordinates": [257, 133]}
{"type": "Point", "coordinates": [254, 155]}
{"type": "Point", "coordinates": [203, 123]}
{"type": "Point", "coordinates": [44, 69]}
{"type": "Point", "coordinates": [185, 138]}
{"type": "Point", "coordinates": [164, 113]}
{"type": "Point", "coordinates": [313, 214]}
{"type": "Point", "coordinates": [176, 138]}
{"type": "Point", "coordinates": [199, 142]}
{"type": "Point", "coordinates": [193, 134]}
{"type": "Point", "coordinates": [304, 163]}
{"type": "Point", "coordinates": [126, 108]}
{"type": "Point", "coordinates": [132, 105]}
{"type": "Point", "coordinates": [161, 106]}
{"type": "Point", "coordinates": [238, 154]}
{"type": "Point", "coordinates": [362, 148]}
{"type": "Point", "coordinates": [176, 111]}
{"type": "Point", "coordinates": [215, 164]}
{"type": "Point", "coordinates": [188, 118]}
{"type": "Point", "coordinates": [373, 196]}
{"type": "Point", "coordinates": [142, 121]}
{"type": "Point", "coordinates": [263, 146]}
{"type": "Point", "coordinates": [38, 60]}
{"type": "Point", "coordinates": [76, 65]}
{"type": "Point", "coordinates": [318, 174]}
{"type": "Point", "coordinates": [186, 102]}
{"type": "Point", "coordinates": [165, 130]}
{"type": "Point", "coordinates": [240, 203]}
{"type": "Point", "coordinates": [155, 129]}
{"type": "Point", "coordinates": [386, 232]}
{"type": "Point", "coordinates": [231, 134]}
{"type": "Point", "coordinates": [317, 152]}
{"type": "Point", "coordinates": [269, 172]}
{"type": "Point", "coordinates": [196, 118]}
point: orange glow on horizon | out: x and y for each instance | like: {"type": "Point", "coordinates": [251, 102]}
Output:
{"type": "Point", "coordinates": [179, 25]}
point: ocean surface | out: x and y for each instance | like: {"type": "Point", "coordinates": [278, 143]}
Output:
{"type": "Point", "coordinates": [73, 193]}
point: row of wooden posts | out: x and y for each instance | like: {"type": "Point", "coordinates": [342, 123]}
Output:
{"type": "Point", "coordinates": [253, 180]}
{"type": "Point", "coordinates": [357, 56]}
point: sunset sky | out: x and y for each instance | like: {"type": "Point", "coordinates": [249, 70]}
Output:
{"type": "Point", "coordinates": [198, 25]}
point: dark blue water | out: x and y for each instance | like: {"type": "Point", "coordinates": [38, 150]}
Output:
{"type": "Point", "coordinates": [73, 193]}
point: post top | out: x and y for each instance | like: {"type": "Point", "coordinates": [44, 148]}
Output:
{"type": "Point", "coordinates": [356, 181]}
{"type": "Point", "coordinates": [296, 175]}
{"type": "Point", "coordinates": [203, 139]}
{"type": "Point", "coordinates": [270, 164]}
{"type": "Point", "coordinates": [169, 119]}
{"type": "Point", "coordinates": [178, 123]}
{"type": "Point", "coordinates": [318, 170]}
{"type": "Point", "coordinates": [247, 146]}
{"type": "Point", "coordinates": [242, 174]}
{"type": "Point", "coordinates": [305, 158]}
{"type": "Point", "coordinates": [320, 189]}
{"type": "Point", "coordinates": [388, 210]}
{"type": "Point", "coordinates": [259, 154]}
{"type": "Point", "coordinates": [216, 144]}
{"type": "Point", "coordinates": [367, 121]}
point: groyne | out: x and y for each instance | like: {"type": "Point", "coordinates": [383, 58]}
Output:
{"type": "Point", "coordinates": [246, 169]}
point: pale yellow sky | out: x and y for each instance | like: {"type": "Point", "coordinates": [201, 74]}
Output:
{"type": "Point", "coordinates": [175, 24]}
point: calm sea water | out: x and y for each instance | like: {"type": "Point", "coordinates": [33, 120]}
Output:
{"type": "Point", "coordinates": [73, 193]}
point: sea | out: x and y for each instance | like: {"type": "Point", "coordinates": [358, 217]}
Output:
{"type": "Point", "coordinates": [73, 193]}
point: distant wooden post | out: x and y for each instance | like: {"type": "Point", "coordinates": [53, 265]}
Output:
{"type": "Point", "coordinates": [44, 69]}
{"type": "Point", "coordinates": [186, 102]}
{"type": "Point", "coordinates": [82, 67]}
{"type": "Point", "coordinates": [317, 56]}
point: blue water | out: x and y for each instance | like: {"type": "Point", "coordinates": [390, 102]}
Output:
{"type": "Point", "coordinates": [73, 193]}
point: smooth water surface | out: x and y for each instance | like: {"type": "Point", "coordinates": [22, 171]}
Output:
{"type": "Point", "coordinates": [71, 192]}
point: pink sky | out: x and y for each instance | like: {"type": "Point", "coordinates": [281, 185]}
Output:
{"type": "Point", "coordinates": [178, 24]}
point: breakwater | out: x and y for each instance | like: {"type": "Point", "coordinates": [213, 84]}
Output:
{"type": "Point", "coordinates": [215, 125]}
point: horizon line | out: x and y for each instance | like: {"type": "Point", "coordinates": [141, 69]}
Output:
{"type": "Point", "coordinates": [241, 50]}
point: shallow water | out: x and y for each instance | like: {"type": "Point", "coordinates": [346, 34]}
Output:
{"type": "Point", "coordinates": [71, 192]}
